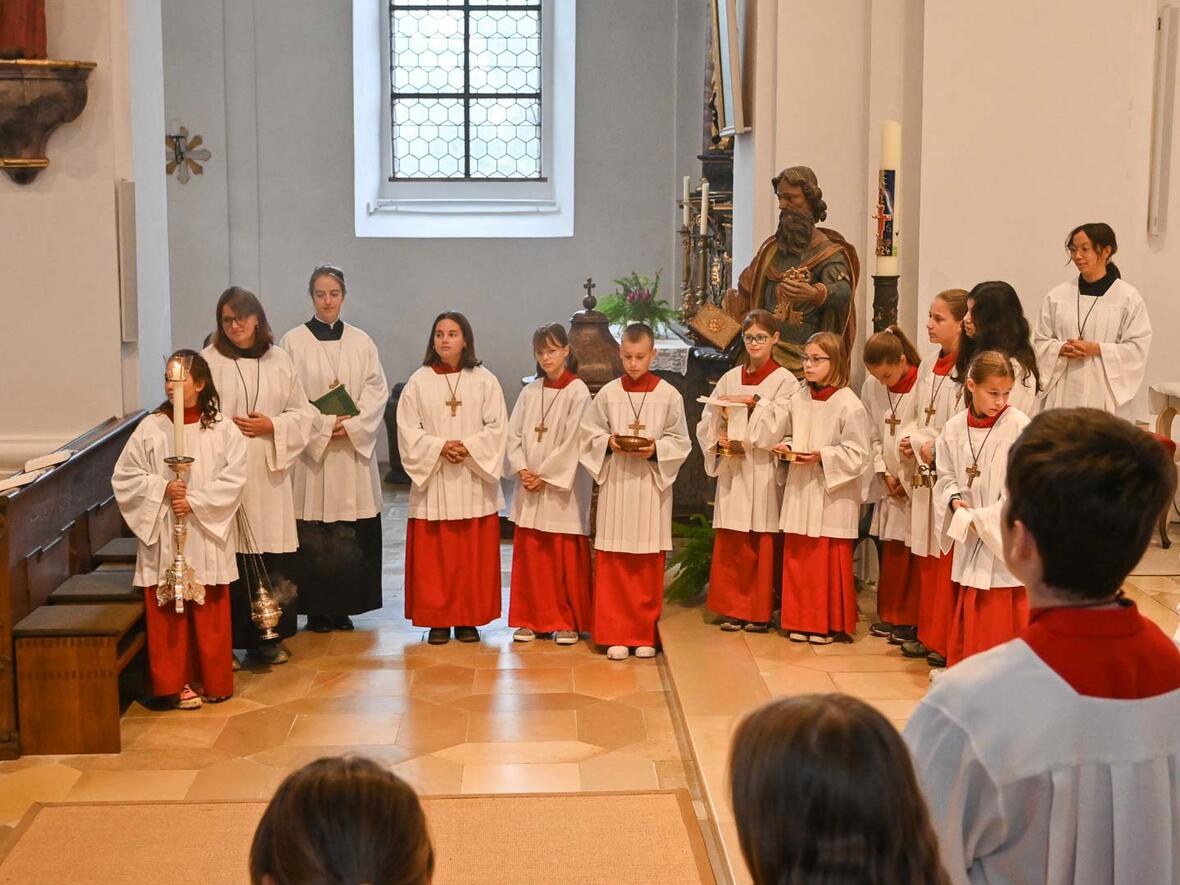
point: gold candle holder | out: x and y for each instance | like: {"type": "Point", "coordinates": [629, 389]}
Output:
{"type": "Point", "coordinates": [179, 583]}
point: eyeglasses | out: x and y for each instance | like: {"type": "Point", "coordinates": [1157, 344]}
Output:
{"type": "Point", "coordinates": [755, 339]}
{"type": "Point", "coordinates": [227, 321]}
{"type": "Point", "coordinates": [808, 360]}
{"type": "Point", "coordinates": [1083, 249]}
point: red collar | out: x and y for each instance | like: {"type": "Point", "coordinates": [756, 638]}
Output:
{"type": "Point", "coordinates": [944, 364]}
{"type": "Point", "coordinates": [192, 414]}
{"type": "Point", "coordinates": [972, 421]}
{"type": "Point", "coordinates": [565, 379]}
{"type": "Point", "coordinates": [441, 368]}
{"type": "Point", "coordinates": [751, 379]}
{"type": "Point", "coordinates": [645, 383]}
{"type": "Point", "coordinates": [823, 394]}
{"type": "Point", "coordinates": [907, 381]}
{"type": "Point", "coordinates": [1105, 652]}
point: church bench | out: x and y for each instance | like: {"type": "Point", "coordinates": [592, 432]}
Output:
{"type": "Point", "coordinates": [97, 586]}
{"type": "Point", "coordinates": [69, 659]}
{"type": "Point", "coordinates": [117, 550]}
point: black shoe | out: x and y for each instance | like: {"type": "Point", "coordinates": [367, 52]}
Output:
{"type": "Point", "coordinates": [934, 659]}
{"type": "Point", "coordinates": [903, 633]}
{"type": "Point", "coordinates": [756, 627]}
{"type": "Point", "coordinates": [439, 635]}
{"type": "Point", "coordinates": [467, 634]}
{"type": "Point", "coordinates": [914, 649]}
{"type": "Point", "coordinates": [881, 628]}
{"type": "Point", "coordinates": [344, 622]}
{"type": "Point", "coordinates": [319, 623]}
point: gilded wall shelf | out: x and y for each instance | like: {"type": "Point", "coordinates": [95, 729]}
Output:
{"type": "Point", "coordinates": [36, 97]}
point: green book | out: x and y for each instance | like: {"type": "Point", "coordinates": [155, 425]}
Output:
{"type": "Point", "coordinates": [336, 402]}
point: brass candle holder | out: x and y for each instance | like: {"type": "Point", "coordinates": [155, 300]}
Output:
{"type": "Point", "coordinates": [178, 583]}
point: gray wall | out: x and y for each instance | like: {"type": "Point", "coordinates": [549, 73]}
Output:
{"type": "Point", "coordinates": [269, 85]}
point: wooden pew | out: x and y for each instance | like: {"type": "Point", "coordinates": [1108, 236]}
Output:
{"type": "Point", "coordinates": [49, 530]}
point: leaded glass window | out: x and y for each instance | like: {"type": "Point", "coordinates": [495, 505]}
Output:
{"type": "Point", "coordinates": [465, 89]}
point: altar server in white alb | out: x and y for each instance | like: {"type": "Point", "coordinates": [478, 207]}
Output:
{"type": "Point", "coordinates": [452, 428]}
{"type": "Point", "coordinates": [1093, 335]}
{"type": "Point", "coordinates": [995, 320]}
{"type": "Point", "coordinates": [337, 489]}
{"type": "Point", "coordinates": [939, 395]}
{"type": "Point", "coordinates": [634, 526]}
{"type": "Point", "coordinates": [827, 440]}
{"type": "Point", "coordinates": [737, 442]}
{"type": "Point", "coordinates": [263, 396]}
{"type": "Point", "coordinates": [551, 501]}
{"type": "Point", "coordinates": [890, 399]}
{"type": "Point", "coordinates": [972, 458]}
{"type": "Point", "coordinates": [188, 652]}
{"type": "Point", "coordinates": [1055, 757]}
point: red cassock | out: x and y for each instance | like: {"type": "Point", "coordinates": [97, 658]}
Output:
{"type": "Point", "coordinates": [819, 591]}
{"type": "Point", "coordinates": [741, 578]}
{"type": "Point", "coordinates": [194, 647]}
{"type": "Point", "coordinates": [985, 618]}
{"type": "Point", "coordinates": [937, 599]}
{"type": "Point", "coordinates": [628, 597]}
{"type": "Point", "coordinates": [453, 571]}
{"type": "Point", "coordinates": [899, 589]}
{"type": "Point", "coordinates": [550, 581]}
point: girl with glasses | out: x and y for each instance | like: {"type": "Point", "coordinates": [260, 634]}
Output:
{"type": "Point", "coordinates": [737, 442]}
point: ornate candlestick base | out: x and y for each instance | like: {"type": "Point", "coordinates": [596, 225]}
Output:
{"type": "Point", "coordinates": [178, 583]}
{"type": "Point", "coordinates": [884, 301]}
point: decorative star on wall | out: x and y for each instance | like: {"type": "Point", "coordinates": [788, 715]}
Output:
{"type": "Point", "coordinates": [182, 154]}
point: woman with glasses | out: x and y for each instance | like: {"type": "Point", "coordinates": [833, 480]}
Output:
{"type": "Point", "coordinates": [736, 440]}
{"type": "Point", "coordinates": [1093, 335]}
{"type": "Point", "coordinates": [261, 392]}
{"type": "Point", "coordinates": [337, 489]}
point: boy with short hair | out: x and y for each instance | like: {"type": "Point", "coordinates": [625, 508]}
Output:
{"type": "Point", "coordinates": [634, 524]}
{"type": "Point", "coordinates": [1055, 757]}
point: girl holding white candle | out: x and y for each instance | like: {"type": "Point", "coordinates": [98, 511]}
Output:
{"type": "Point", "coordinates": [188, 652]}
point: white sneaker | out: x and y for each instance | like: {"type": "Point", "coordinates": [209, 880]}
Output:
{"type": "Point", "coordinates": [819, 638]}
{"type": "Point", "coordinates": [645, 651]}
{"type": "Point", "coordinates": [797, 637]}
{"type": "Point", "coordinates": [617, 653]}
{"type": "Point", "coordinates": [566, 637]}
{"type": "Point", "coordinates": [524, 634]}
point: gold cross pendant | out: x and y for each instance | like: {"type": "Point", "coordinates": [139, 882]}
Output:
{"type": "Point", "coordinates": [636, 427]}
{"type": "Point", "coordinates": [454, 403]}
{"type": "Point", "coordinates": [541, 430]}
{"type": "Point", "coordinates": [930, 413]}
{"type": "Point", "coordinates": [972, 473]}
{"type": "Point", "coordinates": [893, 421]}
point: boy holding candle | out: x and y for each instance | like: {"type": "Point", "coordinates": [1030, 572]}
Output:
{"type": "Point", "coordinates": [634, 439]}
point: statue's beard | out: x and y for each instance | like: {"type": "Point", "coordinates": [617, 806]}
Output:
{"type": "Point", "coordinates": [795, 229]}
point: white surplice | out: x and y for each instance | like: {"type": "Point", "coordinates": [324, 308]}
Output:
{"type": "Point", "coordinates": [214, 481]}
{"type": "Point", "coordinates": [441, 490]}
{"type": "Point", "coordinates": [1029, 781]}
{"type": "Point", "coordinates": [822, 500]}
{"type": "Point", "coordinates": [635, 495]}
{"type": "Point", "coordinates": [979, 559]}
{"type": "Point", "coordinates": [1024, 395]}
{"type": "Point", "coordinates": [891, 516]}
{"type": "Point", "coordinates": [562, 506]}
{"type": "Point", "coordinates": [941, 394]}
{"type": "Point", "coordinates": [268, 385]}
{"type": "Point", "coordinates": [1118, 321]}
{"type": "Point", "coordinates": [336, 479]}
{"type": "Point", "coordinates": [749, 487]}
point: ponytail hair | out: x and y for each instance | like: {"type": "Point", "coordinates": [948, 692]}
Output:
{"type": "Point", "coordinates": [888, 347]}
{"type": "Point", "coordinates": [985, 365]}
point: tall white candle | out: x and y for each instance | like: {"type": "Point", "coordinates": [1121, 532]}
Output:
{"type": "Point", "coordinates": [704, 206]}
{"type": "Point", "coordinates": [889, 265]}
{"type": "Point", "coordinates": [175, 372]}
{"type": "Point", "coordinates": [685, 210]}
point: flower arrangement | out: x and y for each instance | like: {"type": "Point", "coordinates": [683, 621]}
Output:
{"type": "Point", "coordinates": [636, 301]}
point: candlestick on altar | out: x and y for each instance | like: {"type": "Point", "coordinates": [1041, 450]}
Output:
{"type": "Point", "coordinates": [704, 206]}
{"type": "Point", "coordinates": [888, 260]}
{"type": "Point", "coordinates": [179, 583]}
{"type": "Point", "coordinates": [686, 206]}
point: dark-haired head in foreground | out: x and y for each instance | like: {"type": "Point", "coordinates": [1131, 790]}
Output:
{"type": "Point", "coordinates": [342, 821]}
{"type": "Point", "coordinates": [823, 791]}
{"type": "Point", "coordinates": [1101, 476]}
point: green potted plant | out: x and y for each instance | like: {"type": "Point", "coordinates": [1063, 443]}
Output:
{"type": "Point", "coordinates": [636, 300]}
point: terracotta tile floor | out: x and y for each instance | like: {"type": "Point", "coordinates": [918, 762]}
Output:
{"type": "Point", "coordinates": [494, 717]}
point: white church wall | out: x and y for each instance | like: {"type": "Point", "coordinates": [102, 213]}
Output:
{"type": "Point", "coordinates": [1035, 121]}
{"type": "Point", "coordinates": [61, 371]}
{"type": "Point", "coordinates": [279, 184]}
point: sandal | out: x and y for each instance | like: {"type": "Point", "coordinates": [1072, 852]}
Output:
{"type": "Point", "coordinates": [187, 700]}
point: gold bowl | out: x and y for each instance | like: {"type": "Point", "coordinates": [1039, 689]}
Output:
{"type": "Point", "coordinates": [785, 456]}
{"type": "Point", "coordinates": [731, 449]}
{"type": "Point", "coordinates": [633, 443]}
